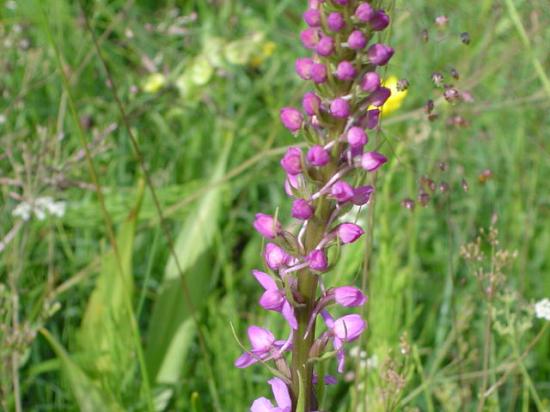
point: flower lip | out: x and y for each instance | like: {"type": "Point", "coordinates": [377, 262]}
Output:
{"type": "Point", "coordinates": [379, 20]}
{"type": "Point", "coordinates": [356, 137]}
{"type": "Point", "coordinates": [342, 191]}
{"type": "Point", "coordinates": [267, 226]}
{"type": "Point", "coordinates": [275, 256]}
{"type": "Point", "coordinates": [349, 296]}
{"type": "Point", "coordinates": [349, 232]}
{"type": "Point", "coordinates": [379, 54]}
{"type": "Point", "coordinates": [372, 161]}
{"type": "Point", "coordinates": [317, 260]}
{"type": "Point", "coordinates": [362, 195]}
{"type": "Point", "coordinates": [349, 327]}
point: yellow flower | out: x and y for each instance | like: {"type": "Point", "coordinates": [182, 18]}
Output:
{"type": "Point", "coordinates": [154, 82]}
{"type": "Point", "coordinates": [396, 99]}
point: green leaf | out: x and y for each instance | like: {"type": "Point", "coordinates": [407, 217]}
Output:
{"type": "Point", "coordinates": [106, 331]}
{"type": "Point", "coordinates": [172, 328]}
{"type": "Point", "coordinates": [89, 396]}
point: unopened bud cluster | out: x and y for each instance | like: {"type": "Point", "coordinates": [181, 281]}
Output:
{"type": "Point", "coordinates": [335, 120]}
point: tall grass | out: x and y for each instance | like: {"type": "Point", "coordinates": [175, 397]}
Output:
{"type": "Point", "coordinates": [93, 314]}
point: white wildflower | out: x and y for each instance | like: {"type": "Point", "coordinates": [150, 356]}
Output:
{"type": "Point", "coordinates": [22, 210]}
{"type": "Point", "coordinates": [372, 362]}
{"type": "Point", "coordinates": [41, 207]}
{"type": "Point", "coordinates": [542, 309]}
{"type": "Point", "coordinates": [11, 5]}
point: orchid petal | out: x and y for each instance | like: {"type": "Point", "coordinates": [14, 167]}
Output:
{"type": "Point", "coordinates": [280, 391]}
{"type": "Point", "coordinates": [260, 338]}
{"type": "Point", "coordinates": [264, 279]}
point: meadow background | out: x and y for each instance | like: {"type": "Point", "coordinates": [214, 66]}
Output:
{"type": "Point", "coordinates": [128, 301]}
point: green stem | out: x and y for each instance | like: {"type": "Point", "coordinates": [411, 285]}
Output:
{"type": "Point", "coordinates": [307, 288]}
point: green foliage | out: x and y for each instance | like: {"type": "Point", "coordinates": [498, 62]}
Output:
{"type": "Point", "coordinates": [202, 93]}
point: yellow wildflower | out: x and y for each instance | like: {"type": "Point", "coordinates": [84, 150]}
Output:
{"type": "Point", "coordinates": [396, 99]}
{"type": "Point", "coordinates": [154, 82]}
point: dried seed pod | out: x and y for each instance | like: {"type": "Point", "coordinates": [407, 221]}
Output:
{"type": "Point", "coordinates": [452, 95]}
{"type": "Point", "coordinates": [443, 166]}
{"type": "Point", "coordinates": [454, 73]}
{"type": "Point", "coordinates": [402, 85]}
{"type": "Point", "coordinates": [465, 37]}
{"type": "Point", "coordinates": [437, 78]}
{"type": "Point", "coordinates": [429, 106]}
{"type": "Point", "coordinates": [424, 198]}
{"type": "Point", "coordinates": [425, 35]}
{"type": "Point", "coordinates": [485, 176]}
{"type": "Point", "coordinates": [427, 182]}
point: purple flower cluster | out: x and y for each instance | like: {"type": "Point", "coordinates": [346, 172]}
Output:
{"type": "Point", "coordinates": [322, 181]}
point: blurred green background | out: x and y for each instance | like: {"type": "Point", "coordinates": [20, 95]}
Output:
{"type": "Point", "coordinates": [94, 313]}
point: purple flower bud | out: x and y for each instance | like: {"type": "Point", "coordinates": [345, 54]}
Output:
{"type": "Point", "coordinates": [372, 119]}
{"type": "Point", "coordinates": [357, 40]}
{"type": "Point", "coordinates": [364, 12]}
{"type": "Point", "coordinates": [342, 191]}
{"type": "Point", "coordinates": [301, 209]}
{"type": "Point", "coordinates": [311, 103]}
{"type": "Point", "coordinates": [380, 96]}
{"type": "Point", "coordinates": [317, 260]}
{"type": "Point", "coordinates": [370, 82]}
{"type": "Point", "coordinates": [312, 17]}
{"type": "Point", "coordinates": [379, 54]}
{"type": "Point", "coordinates": [318, 156]}
{"type": "Point", "coordinates": [341, 2]}
{"type": "Point", "coordinates": [319, 73]}
{"type": "Point", "coordinates": [345, 71]}
{"type": "Point", "coordinates": [325, 47]}
{"type": "Point", "coordinates": [349, 296]}
{"type": "Point", "coordinates": [292, 161]}
{"type": "Point", "coordinates": [291, 118]}
{"type": "Point", "coordinates": [379, 21]}
{"type": "Point", "coordinates": [335, 22]}
{"type": "Point", "coordinates": [267, 226]}
{"type": "Point", "coordinates": [362, 195]}
{"type": "Point", "coordinates": [339, 108]}
{"type": "Point", "coordinates": [275, 257]}
{"type": "Point", "coordinates": [303, 67]}
{"type": "Point", "coordinates": [357, 137]}
{"type": "Point", "coordinates": [371, 161]}
{"type": "Point", "coordinates": [310, 38]}
{"type": "Point", "coordinates": [349, 232]}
